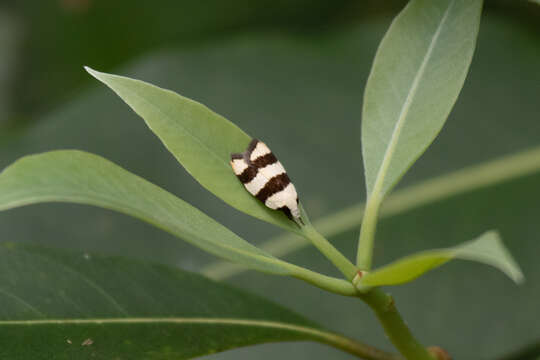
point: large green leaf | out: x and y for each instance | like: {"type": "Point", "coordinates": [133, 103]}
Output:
{"type": "Point", "coordinates": [201, 140]}
{"type": "Point", "coordinates": [79, 177]}
{"type": "Point", "coordinates": [487, 248]}
{"type": "Point", "coordinates": [415, 80]}
{"type": "Point", "coordinates": [174, 24]}
{"type": "Point", "coordinates": [57, 305]}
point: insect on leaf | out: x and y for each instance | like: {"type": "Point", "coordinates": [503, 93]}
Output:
{"type": "Point", "coordinates": [265, 178]}
{"type": "Point", "coordinates": [201, 140]}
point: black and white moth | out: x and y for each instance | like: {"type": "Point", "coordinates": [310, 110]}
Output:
{"type": "Point", "coordinates": [265, 178]}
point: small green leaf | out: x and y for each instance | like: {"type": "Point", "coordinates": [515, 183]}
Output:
{"type": "Point", "coordinates": [487, 248]}
{"type": "Point", "coordinates": [79, 177]}
{"type": "Point", "coordinates": [59, 305]}
{"type": "Point", "coordinates": [201, 140]}
{"type": "Point", "coordinates": [416, 77]}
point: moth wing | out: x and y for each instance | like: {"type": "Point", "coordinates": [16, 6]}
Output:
{"type": "Point", "coordinates": [272, 170]}
{"type": "Point", "coordinates": [238, 164]}
{"type": "Point", "coordinates": [257, 149]}
{"type": "Point", "coordinates": [265, 178]}
{"type": "Point", "coordinates": [284, 198]}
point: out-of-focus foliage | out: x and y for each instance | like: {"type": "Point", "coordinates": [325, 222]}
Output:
{"type": "Point", "coordinates": [46, 42]}
{"type": "Point", "coordinates": [92, 317]}
{"type": "Point", "coordinates": [56, 38]}
{"type": "Point", "coordinates": [296, 79]}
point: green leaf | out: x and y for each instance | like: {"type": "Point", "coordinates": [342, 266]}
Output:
{"type": "Point", "coordinates": [404, 200]}
{"type": "Point", "coordinates": [510, 206]}
{"type": "Point", "coordinates": [201, 140]}
{"type": "Point", "coordinates": [487, 248]}
{"type": "Point", "coordinates": [416, 77]}
{"type": "Point", "coordinates": [417, 74]}
{"type": "Point", "coordinates": [79, 177]}
{"type": "Point", "coordinates": [58, 305]}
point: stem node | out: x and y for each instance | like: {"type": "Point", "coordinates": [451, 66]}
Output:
{"type": "Point", "coordinates": [356, 282]}
{"type": "Point", "coordinates": [439, 353]}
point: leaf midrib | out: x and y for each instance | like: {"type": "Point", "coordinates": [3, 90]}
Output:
{"type": "Point", "coordinates": [383, 169]}
{"type": "Point", "coordinates": [178, 320]}
{"type": "Point", "coordinates": [333, 339]}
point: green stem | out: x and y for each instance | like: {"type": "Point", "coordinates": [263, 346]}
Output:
{"type": "Point", "coordinates": [394, 326]}
{"type": "Point", "coordinates": [357, 349]}
{"type": "Point", "coordinates": [327, 249]}
{"type": "Point", "coordinates": [331, 284]}
{"type": "Point", "coordinates": [367, 234]}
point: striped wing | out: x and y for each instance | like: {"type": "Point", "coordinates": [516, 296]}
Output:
{"type": "Point", "coordinates": [265, 178]}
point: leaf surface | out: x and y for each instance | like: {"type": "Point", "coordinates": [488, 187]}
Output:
{"type": "Point", "coordinates": [417, 74]}
{"type": "Point", "coordinates": [79, 177]}
{"type": "Point", "coordinates": [201, 140]}
{"type": "Point", "coordinates": [83, 178]}
{"type": "Point", "coordinates": [511, 206]}
{"type": "Point", "coordinates": [487, 248]}
{"type": "Point", "coordinates": [406, 199]}
{"type": "Point", "coordinates": [59, 305]}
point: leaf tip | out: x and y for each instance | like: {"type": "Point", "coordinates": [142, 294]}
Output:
{"type": "Point", "coordinates": [89, 69]}
{"type": "Point", "coordinates": [511, 267]}
{"type": "Point", "coordinates": [517, 276]}
{"type": "Point", "coordinates": [92, 72]}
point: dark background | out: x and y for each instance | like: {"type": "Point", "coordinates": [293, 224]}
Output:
{"type": "Point", "coordinates": [291, 73]}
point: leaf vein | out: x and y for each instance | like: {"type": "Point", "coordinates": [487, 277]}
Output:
{"type": "Point", "coordinates": [379, 182]}
{"type": "Point", "coordinates": [92, 284]}
{"type": "Point", "coordinates": [21, 301]}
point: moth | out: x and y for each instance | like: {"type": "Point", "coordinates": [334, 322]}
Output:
{"type": "Point", "coordinates": [265, 178]}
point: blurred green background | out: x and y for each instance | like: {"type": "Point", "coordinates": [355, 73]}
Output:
{"type": "Point", "coordinates": [291, 73]}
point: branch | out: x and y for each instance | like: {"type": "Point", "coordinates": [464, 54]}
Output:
{"type": "Point", "coordinates": [395, 328]}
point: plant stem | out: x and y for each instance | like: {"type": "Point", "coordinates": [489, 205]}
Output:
{"type": "Point", "coordinates": [328, 283]}
{"type": "Point", "coordinates": [327, 249]}
{"type": "Point", "coordinates": [394, 326]}
{"type": "Point", "coordinates": [367, 234]}
{"type": "Point", "coordinates": [357, 349]}
{"type": "Point", "coordinates": [382, 304]}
